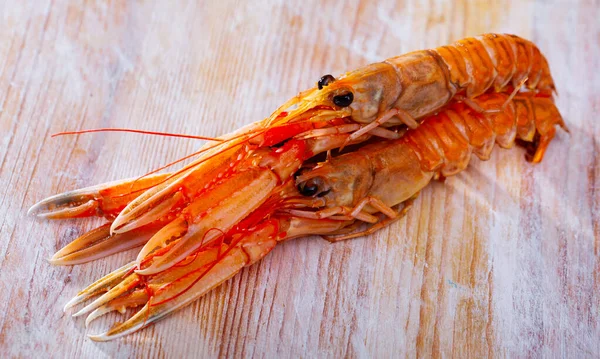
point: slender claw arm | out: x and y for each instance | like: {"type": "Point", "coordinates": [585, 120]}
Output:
{"type": "Point", "coordinates": [238, 198]}
{"type": "Point", "coordinates": [99, 243]}
{"type": "Point", "coordinates": [192, 180]}
{"type": "Point", "coordinates": [107, 199]}
{"type": "Point", "coordinates": [222, 206]}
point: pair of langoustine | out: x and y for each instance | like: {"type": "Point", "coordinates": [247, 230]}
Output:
{"type": "Point", "coordinates": [401, 122]}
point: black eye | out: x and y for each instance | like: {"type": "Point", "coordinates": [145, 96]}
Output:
{"type": "Point", "coordinates": [324, 81]}
{"type": "Point", "coordinates": [343, 100]}
{"type": "Point", "coordinates": [308, 189]}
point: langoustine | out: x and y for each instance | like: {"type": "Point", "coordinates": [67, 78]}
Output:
{"type": "Point", "coordinates": [375, 184]}
{"type": "Point", "coordinates": [202, 224]}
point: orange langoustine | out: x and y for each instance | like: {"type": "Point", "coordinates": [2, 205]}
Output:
{"type": "Point", "coordinates": [247, 191]}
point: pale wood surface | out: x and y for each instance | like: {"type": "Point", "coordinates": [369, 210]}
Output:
{"type": "Point", "coordinates": [501, 260]}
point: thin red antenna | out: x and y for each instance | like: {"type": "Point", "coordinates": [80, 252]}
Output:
{"type": "Point", "coordinates": [155, 133]}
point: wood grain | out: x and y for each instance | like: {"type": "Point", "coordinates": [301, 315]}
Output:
{"type": "Point", "coordinates": [503, 260]}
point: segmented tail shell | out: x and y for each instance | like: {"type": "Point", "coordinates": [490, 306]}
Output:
{"type": "Point", "coordinates": [444, 142]}
{"type": "Point", "coordinates": [475, 64]}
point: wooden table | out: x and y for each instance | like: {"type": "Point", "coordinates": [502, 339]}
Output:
{"type": "Point", "coordinates": [501, 260]}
